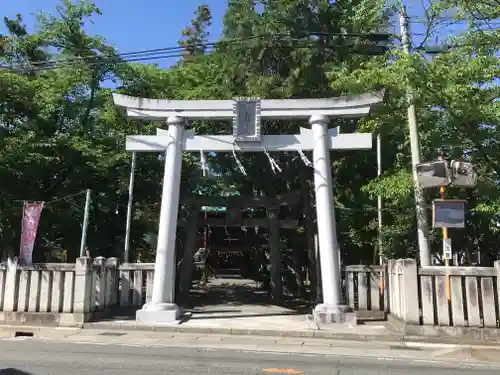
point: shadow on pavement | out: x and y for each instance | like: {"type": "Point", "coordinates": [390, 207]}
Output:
{"type": "Point", "coordinates": [223, 298]}
{"type": "Point", "coordinates": [239, 293]}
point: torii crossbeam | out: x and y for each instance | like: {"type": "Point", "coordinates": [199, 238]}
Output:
{"type": "Point", "coordinates": [246, 115]}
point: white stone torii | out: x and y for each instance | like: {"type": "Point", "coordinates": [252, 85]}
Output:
{"type": "Point", "coordinates": [246, 114]}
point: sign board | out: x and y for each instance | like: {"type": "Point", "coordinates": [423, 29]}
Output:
{"type": "Point", "coordinates": [246, 119]}
{"type": "Point", "coordinates": [447, 254]}
{"type": "Point", "coordinates": [448, 213]}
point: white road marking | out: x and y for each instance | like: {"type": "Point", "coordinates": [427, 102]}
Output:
{"type": "Point", "coordinates": [429, 345]}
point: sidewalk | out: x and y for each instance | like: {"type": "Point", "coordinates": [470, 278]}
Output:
{"type": "Point", "coordinates": [297, 326]}
{"type": "Point", "coordinates": [245, 330]}
{"type": "Point", "coordinates": [274, 326]}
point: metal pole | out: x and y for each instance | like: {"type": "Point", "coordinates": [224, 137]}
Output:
{"type": "Point", "coordinates": [379, 198]}
{"type": "Point", "coordinates": [85, 224]}
{"type": "Point", "coordinates": [126, 255]}
{"type": "Point", "coordinates": [423, 229]}
{"type": "Point", "coordinates": [379, 212]}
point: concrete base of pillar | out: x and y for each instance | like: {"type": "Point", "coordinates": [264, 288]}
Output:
{"type": "Point", "coordinates": [334, 314]}
{"type": "Point", "coordinates": [158, 313]}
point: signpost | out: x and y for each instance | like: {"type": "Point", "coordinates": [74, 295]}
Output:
{"type": "Point", "coordinates": [447, 253]}
{"type": "Point", "coordinates": [246, 115]}
{"type": "Point", "coordinates": [447, 213]}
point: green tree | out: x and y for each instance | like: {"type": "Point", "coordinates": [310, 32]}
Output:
{"type": "Point", "coordinates": [195, 37]}
{"type": "Point", "coordinates": [457, 99]}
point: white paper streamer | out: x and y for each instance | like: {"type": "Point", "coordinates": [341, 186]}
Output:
{"type": "Point", "coordinates": [203, 162]}
{"type": "Point", "coordinates": [274, 166]}
{"type": "Point", "coordinates": [304, 158]}
{"type": "Point", "coordinates": [238, 163]}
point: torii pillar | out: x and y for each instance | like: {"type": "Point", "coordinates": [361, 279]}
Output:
{"type": "Point", "coordinates": [246, 114]}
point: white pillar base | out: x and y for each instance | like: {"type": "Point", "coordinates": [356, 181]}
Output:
{"type": "Point", "coordinates": [158, 313]}
{"type": "Point", "coordinates": [334, 314]}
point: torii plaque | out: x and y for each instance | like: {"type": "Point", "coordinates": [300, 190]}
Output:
{"type": "Point", "coordinates": [246, 114]}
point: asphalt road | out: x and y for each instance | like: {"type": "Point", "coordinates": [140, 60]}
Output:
{"type": "Point", "coordinates": [50, 358]}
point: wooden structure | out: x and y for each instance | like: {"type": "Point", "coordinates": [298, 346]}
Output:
{"type": "Point", "coordinates": [235, 217]}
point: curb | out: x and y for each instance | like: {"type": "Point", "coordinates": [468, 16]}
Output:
{"type": "Point", "coordinates": [388, 337]}
{"type": "Point", "coordinates": [248, 332]}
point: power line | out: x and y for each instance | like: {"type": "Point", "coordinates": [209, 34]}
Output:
{"type": "Point", "coordinates": [56, 199]}
{"type": "Point", "coordinates": [179, 51]}
{"type": "Point", "coordinates": [221, 42]}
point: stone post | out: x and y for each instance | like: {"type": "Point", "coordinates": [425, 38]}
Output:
{"type": "Point", "coordinates": [497, 268]}
{"type": "Point", "coordinates": [112, 281]}
{"type": "Point", "coordinates": [83, 284]}
{"type": "Point", "coordinates": [11, 286]}
{"type": "Point", "coordinates": [409, 291]}
{"type": "Point", "coordinates": [162, 308]}
{"type": "Point", "coordinates": [100, 284]}
{"type": "Point", "coordinates": [391, 285]}
{"type": "Point", "coordinates": [275, 253]}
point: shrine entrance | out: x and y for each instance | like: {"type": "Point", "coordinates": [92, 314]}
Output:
{"type": "Point", "coordinates": [236, 237]}
{"type": "Point", "coordinates": [246, 115]}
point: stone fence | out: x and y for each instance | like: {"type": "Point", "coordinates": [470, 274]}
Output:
{"type": "Point", "coordinates": [444, 296]}
{"type": "Point", "coordinates": [57, 293]}
{"type": "Point", "coordinates": [70, 294]}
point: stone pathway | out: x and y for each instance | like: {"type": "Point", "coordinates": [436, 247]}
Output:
{"type": "Point", "coordinates": [245, 296]}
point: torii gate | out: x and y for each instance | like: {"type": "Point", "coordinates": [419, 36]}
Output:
{"type": "Point", "coordinates": [246, 115]}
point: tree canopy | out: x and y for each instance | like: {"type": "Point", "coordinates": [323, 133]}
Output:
{"type": "Point", "coordinates": [60, 132]}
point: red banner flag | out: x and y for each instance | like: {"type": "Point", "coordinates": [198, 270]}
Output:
{"type": "Point", "coordinates": [29, 226]}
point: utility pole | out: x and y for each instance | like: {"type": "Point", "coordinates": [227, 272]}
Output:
{"type": "Point", "coordinates": [423, 228]}
{"type": "Point", "coordinates": [379, 212]}
{"type": "Point", "coordinates": [379, 198]}
{"type": "Point", "coordinates": [85, 224]}
{"type": "Point", "coordinates": [442, 191]}
{"type": "Point", "coordinates": [126, 256]}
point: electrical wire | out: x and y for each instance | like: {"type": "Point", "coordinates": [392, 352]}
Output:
{"type": "Point", "coordinates": [150, 56]}
{"type": "Point", "coordinates": [178, 52]}
{"type": "Point", "coordinates": [57, 199]}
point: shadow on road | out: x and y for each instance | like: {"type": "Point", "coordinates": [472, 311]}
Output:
{"type": "Point", "coordinates": [13, 371]}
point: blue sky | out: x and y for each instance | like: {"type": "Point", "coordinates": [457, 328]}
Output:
{"type": "Point", "coordinates": [130, 25]}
